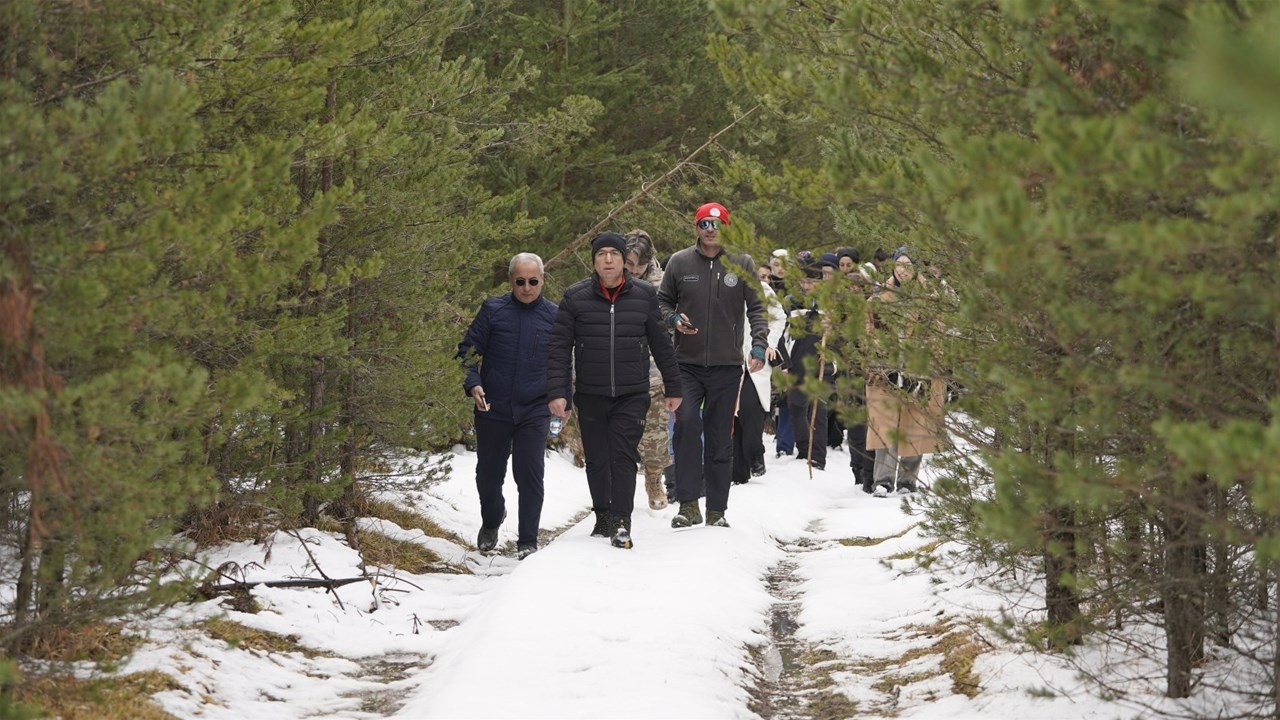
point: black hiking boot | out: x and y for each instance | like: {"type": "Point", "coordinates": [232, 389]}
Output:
{"type": "Point", "coordinates": [524, 551]}
{"type": "Point", "coordinates": [602, 528]}
{"type": "Point", "coordinates": [622, 533]}
{"type": "Point", "coordinates": [688, 516]}
{"type": "Point", "coordinates": [487, 540]}
{"type": "Point", "coordinates": [715, 518]}
{"type": "Point", "coordinates": [669, 481]}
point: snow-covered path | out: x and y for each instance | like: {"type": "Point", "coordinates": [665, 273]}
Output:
{"type": "Point", "coordinates": [583, 629]}
{"type": "Point", "coordinates": [685, 625]}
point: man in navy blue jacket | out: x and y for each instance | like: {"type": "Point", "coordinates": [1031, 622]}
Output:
{"type": "Point", "coordinates": [605, 330]}
{"type": "Point", "coordinates": [505, 351]}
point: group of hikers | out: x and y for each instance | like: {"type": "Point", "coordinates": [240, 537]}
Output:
{"type": "Point", "coordinates": [669, 368]}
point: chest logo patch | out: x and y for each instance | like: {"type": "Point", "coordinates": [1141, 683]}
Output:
{"type": "Point", "coordinates": [689, 278]}
{"type": "Point", "coordinates": [731, 280]}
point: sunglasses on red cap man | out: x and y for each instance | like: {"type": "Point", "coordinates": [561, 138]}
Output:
{"type": "Point", "coordinates": [711, 215]}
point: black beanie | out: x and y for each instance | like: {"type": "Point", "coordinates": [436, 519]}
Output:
{"type": "Point", "coordinates": [609, 240]}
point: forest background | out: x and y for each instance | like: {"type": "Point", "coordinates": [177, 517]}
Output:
{"type": "Point", "coordinates": [241, 239]}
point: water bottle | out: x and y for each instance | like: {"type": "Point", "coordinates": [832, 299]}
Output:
{"type": "Point", "coordinates": [557, 423]}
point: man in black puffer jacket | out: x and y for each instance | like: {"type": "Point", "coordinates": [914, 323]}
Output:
{"type": "Point", "coordinates": [611, 323]}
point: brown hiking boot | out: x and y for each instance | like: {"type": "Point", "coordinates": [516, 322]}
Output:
{"type": "Point", "coordinates": [656, 492]}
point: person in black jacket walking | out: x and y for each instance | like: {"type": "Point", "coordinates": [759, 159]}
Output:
{"type": "Point", "coordinates": [505, 352]}
{"type": "Point", "coordinates": [706, 297]}
{"type": "Point", "coordinates": [806, 332]}
{"type": "Point", "coordinates": [610, 322]}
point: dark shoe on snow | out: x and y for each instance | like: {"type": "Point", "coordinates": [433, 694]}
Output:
{"type": "Point", "coordinates": [715, 518]}
{"type": "Point", "coordinates": [688, 516]}
{"type": "Point", "coordinates": [622, 534]}
{"type": "Point", "coordinates": [669, 481]}
{"type": "Point", "coordinates": [525, 551]}
{"type": "Point", "coordinates": [602, 528]}
{"type": "Point", "coordinates": [487, 540]}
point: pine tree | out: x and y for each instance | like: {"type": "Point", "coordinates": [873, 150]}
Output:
{"type": "Point", "coordinates": [238, 232]}
{"type": "Point", "coordinates": [1101, 229]}
{"type": "Point", "coordinates": [126, 232]}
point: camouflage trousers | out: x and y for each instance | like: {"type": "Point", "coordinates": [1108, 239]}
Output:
{"type": "Point", "coordinates": [572, 439]}
{"type": "Point", "coordinates": [653, 449]}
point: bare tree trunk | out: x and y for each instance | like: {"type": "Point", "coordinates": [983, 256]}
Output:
{"type": "Point", "coordinates": [1060, 561]}
{"type": "Point", "coordinates": [22, 367]}
{"type": "Point", "coordinates": [1112, 576]}
{"type": "Point", "coordinates": [1183, 599]}
{"type": "Point", "coordinates": [345, 508]}
{"type": "Point", "coordinates": [23, 602]}
{"type": "Point", "coordinates": [314, 472]}
{"type": "Point", "coordinates": [1219, 594]}
{"type": "Point", "coordinates": [1062, 601]}
{"type": "Point", "coordinates": [1275, 657]}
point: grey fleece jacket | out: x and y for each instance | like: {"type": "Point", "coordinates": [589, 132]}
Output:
{"type": "Point", "coordinates": [712, 292]}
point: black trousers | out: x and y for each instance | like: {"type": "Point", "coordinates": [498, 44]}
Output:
{"type": "Point", "coordinates": [861, 461]}
{"type": "Point", "coordinates": [526, 443]}
{"type": "Point", "coordinates": [611, 428]}
{"type": "Point", "coordinates": [803, 411]}
{"type": "Point", "coordinates": [704, 442]}
{"type": "Point", "coordinates": [748, 432]}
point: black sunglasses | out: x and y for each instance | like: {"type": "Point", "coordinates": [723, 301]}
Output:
{"type": "Point", "coordinates": [708, 223]}
{"type": "Point", "coordinates": [532, 281]}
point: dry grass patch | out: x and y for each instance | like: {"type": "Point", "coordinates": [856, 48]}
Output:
{"type": "Point", "coordinates": [244, 637]}
{"type": "Point", "coordinates": [127, 697]}
{"type": "Point", "coordinates": [860, 541]}
{"type": "Point", "coordinates": [385, 551]}
{"type": "Point", "coordinates": [226, 522]}
{"type": "Point", "coordinates": [869, 541]}
{"type": "Point", "coordinates": [819, 664]}
{"type": "Point", "coordinates": [831, 706]}
{"type": "Point", "coordinates": [958, 648]}
{"type": "Point", "coordinates": [407, 519]}
{"type": "Point", "coordinates": [874, 666]}
{"type": "Point", "coordinates": [99, 642]}
{"type": "Point", "coordinates": [926, 549]}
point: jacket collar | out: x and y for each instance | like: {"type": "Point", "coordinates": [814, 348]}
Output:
{"type": "Point", "coordinates": [697, 247]}
{"type": "Point", "coordinates": [517, 302]}
{"type": "Point", "coordinates": [627, 279]}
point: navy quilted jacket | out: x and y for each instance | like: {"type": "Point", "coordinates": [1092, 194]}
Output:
{"type": "Point", "coordinates": [505, 350]}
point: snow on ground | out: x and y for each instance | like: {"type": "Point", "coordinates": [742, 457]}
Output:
{"type": "Point", "coordinates": [674, 628]}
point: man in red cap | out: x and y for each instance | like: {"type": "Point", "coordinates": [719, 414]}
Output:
{"type": "Point", "coordinates": [704, 297]}
{"type": "Point", "coordinates": [715, 211]}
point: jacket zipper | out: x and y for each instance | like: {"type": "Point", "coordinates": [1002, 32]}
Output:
{"type": "Point", "coordinates": [715, 288]}
{"type": "Point", "coordinates": [613, 383]}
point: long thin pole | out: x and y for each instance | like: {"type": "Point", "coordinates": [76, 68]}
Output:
{"type": "Point", "coordinates": [643, 191]}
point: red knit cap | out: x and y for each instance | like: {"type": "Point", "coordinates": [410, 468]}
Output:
{"type": "Point", "coordinates": [712, 210]}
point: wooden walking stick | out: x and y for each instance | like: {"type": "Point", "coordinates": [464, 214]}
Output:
{"type": "Point", "coordinates": [813, 414]}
